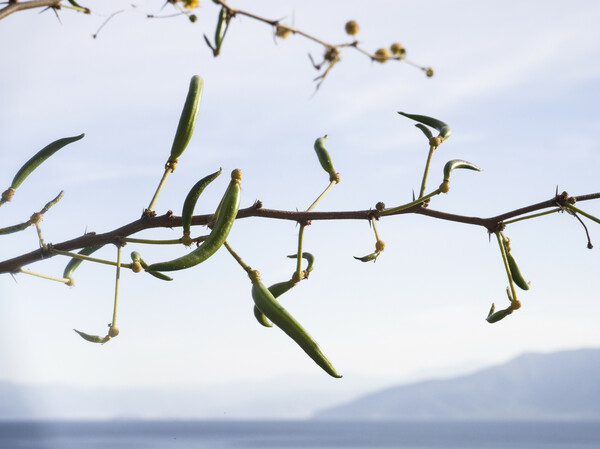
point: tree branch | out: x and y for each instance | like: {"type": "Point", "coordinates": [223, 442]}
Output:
{"type": "Point", "coordinates": [169, 220]}
{"type": "Point", "coordinates": [14, 6]}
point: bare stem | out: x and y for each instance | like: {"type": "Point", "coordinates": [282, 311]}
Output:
{"type": "Point", "coordinates": [44, 276]}
{"type": "Point", "coordinates": [118, 276]}
{"type": "Point", "coordinates": [239, 260]}
{"type": "Point", "coordinates": [88, 258]}
{"type": "Point", "coordinates": [527, 217]}
{"type": "Point", "coordinates": [411, 204]}
{"type": "Point", "coordinates": [424, 182]}
{"type": "Point", "coordinates": [161, 184]}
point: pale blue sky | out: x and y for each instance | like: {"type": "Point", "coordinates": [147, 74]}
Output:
{"type": "Point", "coordinates": [518, 82]}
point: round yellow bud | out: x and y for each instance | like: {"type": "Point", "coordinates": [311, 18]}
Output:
{"type": "Point", "coordinates": [397, 49]}
{"type": "Point", "coordinates": [113, 331]}
{"type": "Point", "coordinates": [429, 72]}
{"type": "Point", "coordinates": [193, 18]}
{"type": "Point", "coordinates": [236, 175]}
{"type": "Point", "coordinates": [136, 266]}
{"type": "Point", "coordinates": [445, 186]}
{"type": "Point", "coordinates": [379, 245]}
{"type": "Point", "coordinates": [186, 239]}
{"type": "Point", "coordinates": [382, 55]}
{"type": "Point", "coordinates": [35, 218]}
{"type": "Point", "coordinates": [282, 31]}
{"type": "Point", "coordinates": [352, 27]}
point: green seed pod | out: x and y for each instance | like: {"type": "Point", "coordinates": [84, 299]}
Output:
{"type": "Point", "coordinates": [221, 30]}
{"type": "Point", "coordinates": [187, 121]}
{"type": "Point", "coordinates": [515, 273]}
{"type": "Point", "coordinates": [81, 8]}
{"type": "Point", "coordinates": [425, 130]}
{"type": "Point", "coordinates": [74, 263]}
{"type": "Point", "coordinates": [192, 198]}
{"type": "Point", "coordinates": [458, 163]}
{"type": "Point", "coordinates": [306, 256]}
{"type": "Point", "coordinates": [268, 305]}
{"type": "Point", "coordinates": [323, 155]}
{"type": "Point", "coordinates": [443, 128]}
{"type": "Point", "coordinates": [495, 317]}
{"type": "Point", "coordinates": [135, 256]}
{"type": "Point", "coordinates": [40, 157]}
{"type": "Point", "coordinates": [276, 290]}
{"type": "Point", "coordinates": [93, 338]}
{"type": "Point", "coordinates": [261, 318]}
{"type": "Point", "coordinates": [225, 218]}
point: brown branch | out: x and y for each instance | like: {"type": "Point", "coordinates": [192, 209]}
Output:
{"type": "Point", "coordinates": [233, 11]}
{"type": "Point", "coordinates": [171, 221]}
{"type": "Point", "coordinates": [14, 6]}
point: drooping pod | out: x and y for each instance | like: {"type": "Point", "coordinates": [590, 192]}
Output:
{"type": "Point", "coordinates": [494, 317]}
{"type": "Point", "coordinates": [379, 247]}
{"type": "Point", "coordinates": [325, 158]}
{"type": "Point", "coordinates": [74, 263]}
{"type": "Point", "coordinates": [187, 121]}
{"type": "Point", "coordinates": [275, 312]}
{"type": "Point", "coordinates": [93, 338]}
{"type": "Point", "coordinates": [515, 273]}
{"type": "Point", "coordinates": [276, 290]}
{"type": "Point", "coordinates": [36, 161]}
{"type": "Point", "coordinates": [135, 256]}
{"type": "Point", "coordinates": [225, 217]}
{"type": "Point", "coordinates": [192, 198]}
{"type": "Point", "coordinates": [442, 127]}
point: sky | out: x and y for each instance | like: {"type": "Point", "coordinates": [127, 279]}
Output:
{"type": "Point", "coordinates": [518, 83]}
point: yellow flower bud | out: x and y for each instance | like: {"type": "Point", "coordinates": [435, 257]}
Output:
{"type": "Point", "coordinates": [382, 55]}
{"type": "Point", "coordinates": [397, 49]}
{"type": "Point", "coordinates": [352, 27]}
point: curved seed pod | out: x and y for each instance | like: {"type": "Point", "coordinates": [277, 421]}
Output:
{"type": "Point", "coordinates": [276, 290]}
{"type": "Point", "coordinates": [187, 121]}
{"type": "Point", "coordinates": [369, 257]}
{"type": "Point", "coordinates": [495, 317]}
{"type": "Point", "coordinates": [442, 127]}
{"type": "Point", "coordinates": [40, 157]}
{"type": "Point", "coordinates": [74, 263]}
{"type": "Point", "coordinates": [83, 8]}
{"type": "Point", "coordinates": [163, 277]}
{"type": "Point", "coordinates": [515, 273]}
{"type": "Point", "coordinates": [455, 164]}
{"type": "Point", "coordinates": [225, 218]}
{"type": "Point", "coordinates": [425, 130]}
{"type": "Point", "coordinates": [222, 26]}
{"type": "Point", "coordinates": [268, 305]}
{"type": "Point", "coordinates": [93, 338]}
{"type": "Point", "coordinates": [192, 198]}
{"type": "Point", "coordinates": [261, 318]}
{"type": "Point", "coordinates": [323, 155]}
{"type": "Point", "coordinates": [306, 256]}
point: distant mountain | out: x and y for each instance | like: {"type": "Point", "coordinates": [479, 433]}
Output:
{"type": "Point", "coordinates": [286, 397]}
{"type": "Point", "coordinates": [558, 386]}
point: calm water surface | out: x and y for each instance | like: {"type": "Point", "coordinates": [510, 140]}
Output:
{"type": "Point", "coordinates": [297, 434]}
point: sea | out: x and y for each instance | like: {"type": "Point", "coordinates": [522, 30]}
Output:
{"type": "Point", "coordinates": [125, 434]}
